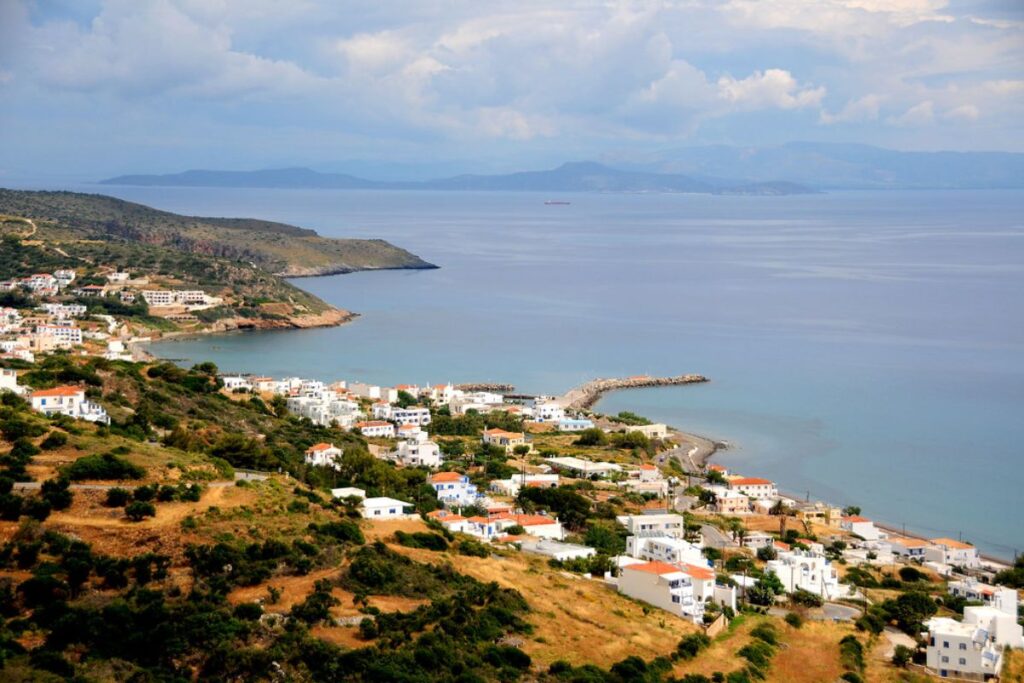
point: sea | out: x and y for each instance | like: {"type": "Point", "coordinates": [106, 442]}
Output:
{"type": "Point", "coordinates": [863, 347]}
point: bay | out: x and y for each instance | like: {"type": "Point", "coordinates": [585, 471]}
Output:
{"type": "Point", "coordinates": [863, 347]}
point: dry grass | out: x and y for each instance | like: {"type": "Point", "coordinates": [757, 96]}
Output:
{"type": "Point", "coordinates": [1013, 669]}
{"type": "Point", "coordinates": [581, 621]}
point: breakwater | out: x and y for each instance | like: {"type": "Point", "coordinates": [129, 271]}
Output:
{"type": "Point", "coordinates": [587, 394]}
{"type": "Point", "coordinates": [486, 386]}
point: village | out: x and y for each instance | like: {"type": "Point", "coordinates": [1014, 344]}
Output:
{"type": "Point", "coordinates": [701, 540]}
{"type": "Point", "coordinates": [58, 313]}
{"type": "Point", "coordinates": [699, 544]}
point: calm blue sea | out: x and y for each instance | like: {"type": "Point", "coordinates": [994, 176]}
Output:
{"type": "Point", "coordinates": [864, 347]}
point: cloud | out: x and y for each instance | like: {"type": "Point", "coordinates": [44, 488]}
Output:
{"type": "Point", "coordinates": [774, 88]}
{"type": "Point", "coordinates": [856, 111]}
{"type": "Point", "coordinates": [920, 114]}
{"type": "Point", "coordinates": [965, 112]}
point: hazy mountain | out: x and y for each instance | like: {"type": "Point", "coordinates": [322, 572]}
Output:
{"type": "Point", "coordinates": [571, 177]}
{"type": "Point", "coordinates": [829, 166]}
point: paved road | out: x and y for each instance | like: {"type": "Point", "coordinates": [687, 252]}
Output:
{"type": "Point", "coordinates": [835, 612]}
{"type": "Point", "coordinates": [715, 537]}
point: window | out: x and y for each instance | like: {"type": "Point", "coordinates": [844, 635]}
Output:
{"type": "Point", "coordinates": [963, 661]}
{"type": "Point", "coordinates": [963, 646]}
{"type": "Point", "coordinates": [945, 660]}
{"type": "Point", "coordinates": [945, 644]}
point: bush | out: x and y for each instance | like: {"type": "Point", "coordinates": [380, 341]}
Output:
{"type": "Point", "coordinates": [691, 645]}
{"type": "Point", "coordinates": [36, 508]}
{"type": "Point", "coordinates": [248, 611]}
{"type": "Point", "coordinates": [420, 539]}
{"type": "Point", "coordinates": [106, 466]}
{"type": "Point", "coordinates": [765, 632]}
{"type": "Point", "coordinates": [56, 493]}
{"type": "Point", "coordinates": [591, 437]}
{"type": "Point", "coordinates": [166, 493]}
{"type": "Point", "coordinates": [145, 493]}
{"type": "Point", "coordinates": [902, 655]}
{"type": "Point", "coordinates": [53, 441]}
{"type": "Point", "coordinates": [794, 620]}
{"type": "Point", "coordinates": [117, 497]}
{"type": "Point", "coordinates": [911, 574]}
{"type": "Point", "coordinates": [472, 548]}
{"type": "Point", "coordinates": [138, 509]}
{"type": "Point", "coordinates": [805, 598]}
{"type": "Point", "coordinates": [851, 654]}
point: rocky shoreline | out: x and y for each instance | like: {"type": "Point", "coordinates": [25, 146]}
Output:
{"type": "Point", "coordinates": [323, 271]}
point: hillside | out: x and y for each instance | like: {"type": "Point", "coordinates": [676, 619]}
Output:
{"type": "Point", "coordinates": [570, 177]}
{"type": "Point", "coordinates": [140, 557]}
{"type": "Point", "coordinates": [277, 248]}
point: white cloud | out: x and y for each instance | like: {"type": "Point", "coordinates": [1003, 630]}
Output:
{"type": "Point", "coordinates": [773, 88]}
{"type": "Point", "coordinates": [920, 114]}
{"type": "Point", "coordinates": [965, 112]}
{"type": "Point", "coordinates": [856, 111]}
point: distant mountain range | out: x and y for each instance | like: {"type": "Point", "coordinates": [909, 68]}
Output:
{"type": "Point", "coordinates": [794, 168]}
{"type": "Point", "coordinates": [841, 166]}
{"type": "Point", "coordinates": [571, 177]}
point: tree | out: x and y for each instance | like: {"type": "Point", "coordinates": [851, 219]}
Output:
{"type": "Point", "coordinates": [605, 537]}
{"type": "Point", "coordinates": [902, 655]}
{"type": "Point", "coordinates": [591, 437]}
{"type": "Point", "coordinates": [117, 497]}
{"type": "Point", "coordinates": [57, 493]}
{"type": "Point", "coordinates": [851, 510]}
{"type": "Point", "coordinates": [767, 552]}
{"type": "Point", "coordinates": [521, 449]}
{"type": "Point", "coordinates": [138, 509]}
{"type": "Point", "coordinates": [405, 399]}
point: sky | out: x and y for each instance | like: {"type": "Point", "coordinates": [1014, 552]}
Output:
{"type": "Point", "coordinates": [97, 88]}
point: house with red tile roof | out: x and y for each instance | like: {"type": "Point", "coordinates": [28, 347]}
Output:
{"type": "Point", "coordinates": [507, 440]}
{"type": "Point", "coordinates": [678, 588]}
{"type": "Point", "coordinates": [323, 455]}
{"type": "Point", "coordinates": [454, 489]}
{"type": "Point", "coordinates": [70, 401]}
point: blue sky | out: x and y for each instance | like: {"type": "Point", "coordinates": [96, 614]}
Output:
{"type": "Point", "coordinates": [91, 89]}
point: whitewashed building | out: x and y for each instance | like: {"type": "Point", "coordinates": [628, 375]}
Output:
{"type": "Point", "coordinates": [324, 455]}
{"type": "Point", "coordinates": [70, 401]}
{"type": "Point", "coordinates": [413, 415]}
{"type": "Point", "coordinates": [973, 648]}
{"type": "Point", "coordinates": [753, 487]}
{"type": "Point", "coordinates": [454, 488]}
{"type": "Point", "coordinates": [683, 590]}
{"type": "Point", "coordinates": [376, 428]}
{"type": "Point", "coordinates": [386, 508]}
{"type": "Point", "coordinates": [653, 525]}
{"type": "Point", "coordinates": [809, 571]}
{"type": "Point", "coordinates": [9, 381]}
{"type": "Point", "coordinates": [861, 526]}
{"type": "Point", "coordinates": [417, 451]}
{"type": "Point", "coordinates": [664, 549]}
{"type": "Point", "coordinates": [952, 553]}
{"type": "Point", "coordinates": [999, 597]}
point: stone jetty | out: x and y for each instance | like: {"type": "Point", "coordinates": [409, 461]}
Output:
{"type": "Point", "coordinates": [586, 395]}
{"type": "Point", "coordinates": [486, 386]}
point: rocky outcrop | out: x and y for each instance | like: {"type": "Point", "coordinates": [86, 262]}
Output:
{"type": "Point", "coordinates": [586, 395]}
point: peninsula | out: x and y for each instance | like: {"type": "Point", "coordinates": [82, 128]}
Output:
{"type": "Point", "coordinates": [156, 273]}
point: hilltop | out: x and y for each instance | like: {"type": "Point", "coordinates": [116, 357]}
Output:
{"type": "Point", "coordinates": [277, 248]}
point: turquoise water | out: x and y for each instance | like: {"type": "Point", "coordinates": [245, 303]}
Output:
{"type": "Point", "coordinates": [865, 347]}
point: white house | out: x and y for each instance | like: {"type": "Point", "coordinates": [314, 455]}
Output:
{"type": "Point", "coordinates": [413, 415]}
{"type": "Point", "coordinates": [9, 381]}
{"type": "Point", "coordinates": [381, 410]}
{"type": "Point", "coordinates": [237, 383]}
{"type": "Point", "coordinates": [556, 550]}
{"type": "Point", "coordinates": [664, 549]}
{"type": "Point", "coordinates": [408, 431]}
{"type": "Point", "coordinates": [365, 390]}
{"type": "Point", "coordinates": [63, 311]}
{"type": "Point", "coordinates": [386, 508]}
{"type": "Point", "coordinates": [64, 276]}
{"type": "Point", "coordinates": [682, 590]}
{"type": "Point", "coordinates": [376, 428]}
{"type": "Point", "coordinates": [512, 485]}
{"type": "Point", "coordinates": [653, 525]}
{"type": "Point", "coordinates": [348, 492]}
{"type": "Point", "coordinates": [753, 487]}
{"type": "Point", "coordinates": [548, 411]}
{"type": "Point", "coordinates": [451, 521]}
{"type": "Point", "coordinates": [806, 570]}
{"type": "Point", "coordinates": [583, 468]}
{"type": "Point", "coordinates": [861, 526]}
{"type": "Point", "coordinates": [453, 488]}
{"type": "Point", "coordinates": [952, 553]}
{"type": "Point", "coordinates": [1000, 597]}
{"type": "Point", "coordinates": [972, 648]}
{"type": "Point", "coordinates": [417, 451]}
{"type": "Point", "coordinates": [569, 424]}
{"type": "Point", "coordinates": [534, 525]}
{"type": "Point", "coordinates": [63, 336]}
{"type": "Point", "coordinates": [904, 546]}
{"type": "Point", "coordinates": [70, 401]}
{"type": "Point", "coordinates": [324, 455]}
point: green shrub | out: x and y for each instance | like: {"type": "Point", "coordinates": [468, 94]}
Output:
{"type": "Point", "coordinates": [137, 510]}
{"type": "Point", "coordinates": [117, 497]}
{"type": "Point", "coordinates": [691, 645]}
{"type": "Point", "coordinates": [57, 493]}
{"type": "Point", "coordinates": [54, 440]}
{"type": "Point", "coordinates": [106, 466]}
{"type": "Point", "coordinates": [473, 548]}
{"type": "Point", "coordinates": [794, 620]}
{"type": "Point", "coordinates": [420, 539]}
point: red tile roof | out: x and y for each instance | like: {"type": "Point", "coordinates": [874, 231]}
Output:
{"type": "Point", "coordinates": [749, 481]}
{"type": "Point", "coordinates": [659, 568]}
{"type": "Point", "coordinates": [445, 476]}
{"type": "Point", "coordinates": [320, 447]}
{"type": "Point", "coordinates": [58, 391]}
{"type": "Point", "coordinates": [696, 572]}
